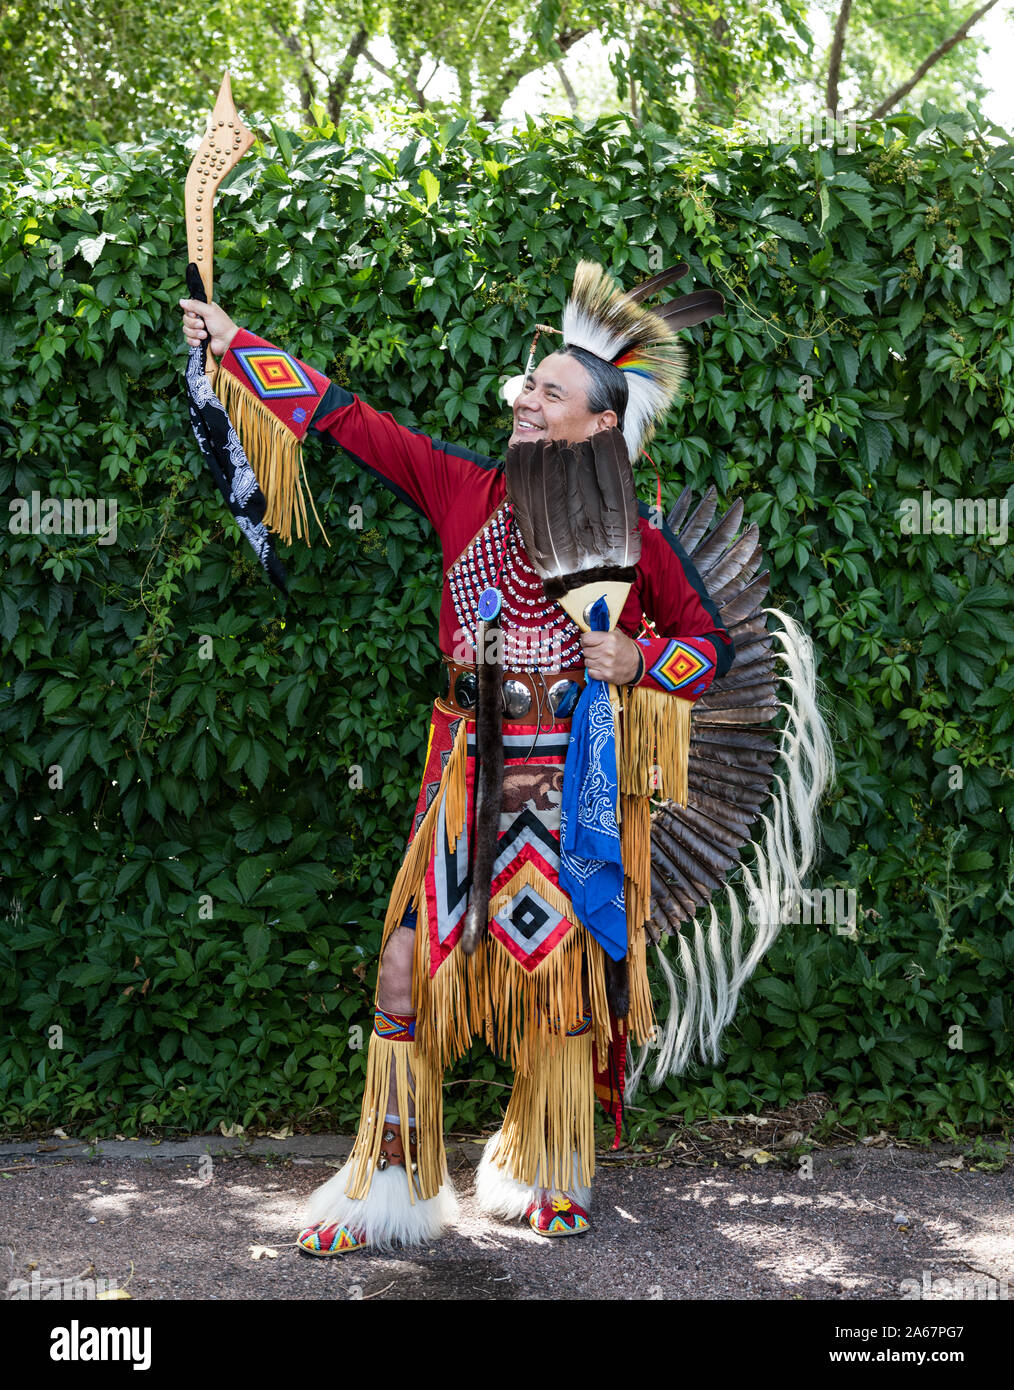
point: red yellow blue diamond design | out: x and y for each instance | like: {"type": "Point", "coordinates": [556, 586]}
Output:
{"type": "Point", "coordinates": [329, 1240]}
{"type": "Point", "coordinates": [394, 1027]}
{"type": "Point", "coordinates": [557, 1215]}
{"type": "Point", "coordinates": [273, 374]}
{"type": "Point", "coordinates": [679, 665]}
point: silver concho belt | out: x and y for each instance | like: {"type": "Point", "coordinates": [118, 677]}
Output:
{"type": "Point", "coordinates": [525, 693]}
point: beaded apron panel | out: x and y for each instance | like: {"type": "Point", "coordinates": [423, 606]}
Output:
{"type": "Point", "coordinates": [537, 634]}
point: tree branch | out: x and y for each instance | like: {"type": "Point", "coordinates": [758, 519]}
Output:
{"type": "Point", "coordinates": [561, 73]}
{"type": "Point", "coordinates": [305, 80]}
{"type": "Point", "coordinates": [338, 87]}
{"type": "Point", "coordinates": [528, 62]}
{"type": "Point", "coordinates": [834, 62]}
{"type": "Point", "coordinates": [934, 57]}
{"type": "Point", "coordinates": [396, 79]}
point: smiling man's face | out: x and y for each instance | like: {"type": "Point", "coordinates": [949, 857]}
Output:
{"type": "Point", "coordinates": [554, 403]}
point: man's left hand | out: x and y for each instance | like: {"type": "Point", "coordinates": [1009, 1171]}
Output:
{"type": "Point", "coordinates": [611, 656]}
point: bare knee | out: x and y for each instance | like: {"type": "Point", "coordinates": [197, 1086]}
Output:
{"type": "Point", "coordinates": [395, 979]}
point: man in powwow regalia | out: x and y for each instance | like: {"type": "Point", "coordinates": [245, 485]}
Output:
{"type": "Point", "coordinates": [575, 636]}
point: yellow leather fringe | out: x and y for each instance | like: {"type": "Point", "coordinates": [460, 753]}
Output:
{"type": "Point", "coordinates": [490, 994]}
{"type": "Point", "coordinates": [447, 1019]}
{"type": "Point", "coordinates": [635, 843]}
{"type": "Point", "coordinates": [445, 1022]}
{"type": "Point", "coordinates": [275, 455]}
{"type": "Point", "coordinates": [454, 775]}
{"type": "Point", "coordinates": [527, 1013]}
{"type": "Point", "coordinates": [418, 1084]}
{"type": "Point", "coordinates": [550, 1116]}
{"type": "Point", "coordinates": [641, 1018]}
{"type": "Point", "coordinates": [654, 747]}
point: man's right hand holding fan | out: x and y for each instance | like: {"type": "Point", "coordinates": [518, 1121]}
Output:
{"type": "Point", "coordinates": [611, 656]}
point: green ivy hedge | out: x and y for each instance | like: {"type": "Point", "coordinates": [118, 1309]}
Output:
{"type": "Point", "coordinates": [191, 917]}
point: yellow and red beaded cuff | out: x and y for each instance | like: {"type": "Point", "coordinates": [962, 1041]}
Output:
{"type": "Point", "coordinates": [289, 388]}
{"type": "Point", "coordinates": [682, 666]}
{"type": "Point", "coordinates": [394, 1027]}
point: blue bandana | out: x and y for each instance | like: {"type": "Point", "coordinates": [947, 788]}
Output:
{"type": "Point", "coordinates": [591, 868]}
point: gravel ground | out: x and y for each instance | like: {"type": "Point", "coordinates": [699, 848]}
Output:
{"type": "Point", "coordinates": [188, 1227]}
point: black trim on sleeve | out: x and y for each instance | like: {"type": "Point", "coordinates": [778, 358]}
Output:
{"type": "Point", "coordinates": [337, 398]}
{"type": "Point", "coordinates": [334, 398]}
{"type": "Point", "coordinates": [724, 651]}
{"type": "Point", "coordinates": [458, 451]}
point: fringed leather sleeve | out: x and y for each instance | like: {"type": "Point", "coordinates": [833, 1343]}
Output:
{"type": "Point", "coordinates": [270, 397]}
{"type": "Point", "coordinates": [682, 666]}
{"type": "Point", "coordinates": [289, 390]}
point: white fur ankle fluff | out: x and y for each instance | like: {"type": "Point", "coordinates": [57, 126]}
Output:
{"type": "Point", "coordinates": [386, 1215]}
{"type": "Point", "coordinates": [500, 1194]}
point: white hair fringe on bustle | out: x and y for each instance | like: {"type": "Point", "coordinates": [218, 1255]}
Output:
{"type": "Point", "coordinates": [714, 961]}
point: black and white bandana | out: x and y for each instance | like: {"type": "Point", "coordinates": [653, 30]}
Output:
{"type": "Point", "coordinates": [220, 445]}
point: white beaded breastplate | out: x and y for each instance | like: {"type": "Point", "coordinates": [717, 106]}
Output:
{"type": "Point", "coordinates": [537, 634]}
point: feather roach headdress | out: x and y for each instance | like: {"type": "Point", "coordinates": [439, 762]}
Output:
{"type": "Point", "coordinates": [603, 319]}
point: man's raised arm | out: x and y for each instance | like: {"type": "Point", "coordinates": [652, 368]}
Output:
{"type": "Point", "coordinates": [426, 473]}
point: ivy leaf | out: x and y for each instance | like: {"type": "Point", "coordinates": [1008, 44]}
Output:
{"type": "Point", "coordinates": [249, 874]}
{"type": "Point", "coordinates": [90, 247]}
{"type": "Point", "coordinates": [257, 941]}
{"type": "Point", "coordinates": [430, 186]}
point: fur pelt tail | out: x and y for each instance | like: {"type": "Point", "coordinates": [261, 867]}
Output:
{"type": "Point", "coordinates": [489, 785]}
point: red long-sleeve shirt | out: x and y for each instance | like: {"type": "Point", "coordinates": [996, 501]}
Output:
{"type": "Point", "coordinates": [458, 491]}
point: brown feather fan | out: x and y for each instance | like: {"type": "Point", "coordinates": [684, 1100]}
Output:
{"type": "Point", "coordinates": [750, 829]}
{"type": "Point", "coordinates": [576, 509]}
